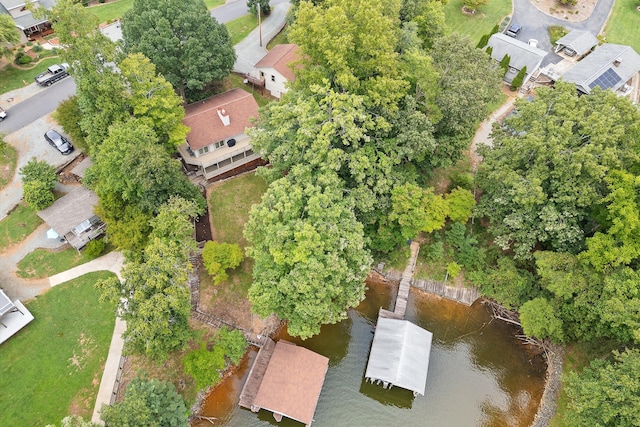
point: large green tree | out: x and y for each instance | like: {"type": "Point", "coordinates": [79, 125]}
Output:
{"type": "Point", "coordinates": [154, 300]}
{"type": "Point", "coordinates": [188, 47]}
{"type": "Point", "coordinates": [606, 393]}
{"type": "Point", "coordinates": [151, 403]}
{"type": "Point", "coordinates": [309, 251]}
{"type": "Point", "coordinates": [544, 177]}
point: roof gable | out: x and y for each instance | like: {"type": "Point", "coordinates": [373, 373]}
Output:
{"type": "Point", "coordinates": [400, 354]}
{"type": "Point", "coordinates": [292, 382]}
{"type": "Point", "coordinates": [521, 54]}
{"type": "Point", "coordinates": [206, 119]}
{"type": "Point", "coordinates": [279, 58]}
{"type": "Point", "coordinates": [579, 40]}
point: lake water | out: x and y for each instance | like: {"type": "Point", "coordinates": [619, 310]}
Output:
{"type": "Point", "coordinates": [479, 373]}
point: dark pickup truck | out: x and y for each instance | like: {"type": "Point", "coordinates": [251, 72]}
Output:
{"type": "Point", "coordinates": [52, 75]}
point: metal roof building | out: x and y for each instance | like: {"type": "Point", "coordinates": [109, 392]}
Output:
{"type": "Point", "coordinates": [399, 355]}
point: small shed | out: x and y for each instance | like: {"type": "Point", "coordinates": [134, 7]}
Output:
{"type": "Point", "coordinates": [399, 355]}
{"type": "Point", "coordinates": [291, 384]}
{"type": "Point", "coordinates": [579, 42]}
{"type": "Point", "coordinates": [275, 68]}
{"type": "Point", "coordinates": [72, 217]}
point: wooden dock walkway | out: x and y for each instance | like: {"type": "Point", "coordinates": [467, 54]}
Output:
{"type": "Point", "coordinates": [256, 374]}
{"type": "Point", "coordinates": [463, 295]}
{"type": "Point", "coordinates": [405, 283]}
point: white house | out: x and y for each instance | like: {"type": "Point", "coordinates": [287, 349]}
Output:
{"type": "Point", "coordinates": [217, 143]}
{"type": "Point", "coordinates": [275, 68]}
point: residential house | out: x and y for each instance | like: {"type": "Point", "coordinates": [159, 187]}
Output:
{"type": "Point", "coordinates": [73, 219]}
{"type": "Point", "coordinates": [275, 68]}
{"type": "Point", "coordinates": [24, 18]}
{"type": "Point", "coordinates": [577, 43]}
{"type": "Point", "coordinates": [521, 54]}
{"type": "Point", "coordinates": [217, 143]}
{"type": "Point", "coordinates": [610, 66]}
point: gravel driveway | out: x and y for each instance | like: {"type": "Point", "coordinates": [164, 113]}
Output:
{"type": "Point", "coordinates": [30, 142]}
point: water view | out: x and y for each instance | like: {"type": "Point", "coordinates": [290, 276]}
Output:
{"type": "Point", "coordinates": [479, 373]}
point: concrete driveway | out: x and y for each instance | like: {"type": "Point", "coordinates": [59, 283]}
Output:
{"type": "Point", "coordinates": [535, 22]}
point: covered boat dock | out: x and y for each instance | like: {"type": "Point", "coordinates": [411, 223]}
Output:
{"type": "Point", "coordinates": [285, 379]}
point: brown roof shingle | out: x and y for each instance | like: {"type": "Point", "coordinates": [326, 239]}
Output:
{"type": "Point", "coordinates": [204, 121]}
{"type": "Point", "coordinates": [280, 58]}
{"type": "Point", "coordinates": [292, 382]}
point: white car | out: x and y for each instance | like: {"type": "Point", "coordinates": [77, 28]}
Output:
{"type": "Point", "coordinates": [533, 42]}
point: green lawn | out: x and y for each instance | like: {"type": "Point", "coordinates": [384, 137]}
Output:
{"type": "Point", "coordinates": [53, 366]}
{"type": "Point", "coordinates": [18, 225]}
{"type": "Point", "coordinates": [44, 263]}
{"type": "Point", "coordinates": [12, 78]}
{"type": "Point", "coordinates": [281, 38]}
{"type": "Point", "coordinates": [476, 25]}
{"type": "Point", "coordinates": [230, 203]}
{"type": "Point", "coordinates": [8, 160]}
{"type": "Point", "coordinates": [623, 26]}
{"type": "Point", "coordinates": [241, 27]}
{"type": "Point", "coordinates": [115, 10]}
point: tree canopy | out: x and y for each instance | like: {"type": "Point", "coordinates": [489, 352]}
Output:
{"type": "Point", "coordinates": [8, 33]}
{"type": "Point", "coordinates": [309, 251]}
{"type": "Point", "coordinates": [544, 177]}
{"type": "Point", "coordinates": [188, 47]}
{"type": "Point", "coordinates": [151, 403]}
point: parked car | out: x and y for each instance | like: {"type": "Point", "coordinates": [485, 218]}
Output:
{"type": "Point", "coordinates": [58, 141]}
{"type": "Point", "coordinates": [514, 29]}
{"type": "Point", "coordinates": [52, 74]}
{"type": "Point", "coordinates": [3, 114]}
{"type": "Point", "coordinates": [569, 52]}
{"type": "Point", "coordinates": [533, 42]}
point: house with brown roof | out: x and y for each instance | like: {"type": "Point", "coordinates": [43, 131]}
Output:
{"type": "Point", "coordinates": [217, 142]}
{"type": "Point", "coordinates": [275, 68]}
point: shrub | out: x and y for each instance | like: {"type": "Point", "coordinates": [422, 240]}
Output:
{"type": "Point", "coordinates": [39, 170]}
{"type": "Point", "coordinates": [218, 257]}
{"type": "Point", "coordinates": [461, 179]}
{"type": "Point", "coordinates": [504, 63]}
{"type": "Point", "coordinates": [556, 32]}
{"type": "Point", "coordinates": [434, 251]}
{"type": "Point", "coordinates": [95, 248]}
{"type": "Point", "coordinates": [37, 195]}
{"type": "Point", "coordinates": [519, 79]}
{"type": "Point", "coordinates": [37, 48]}
{"type": "Point", "coordinates": [22, 59]}
{"type": "Point", "coordinates": [483, 41]}
{"type": "Point", "coordinates": [205, 366]}
{"type": "Point", "coordinates": [453, 269]}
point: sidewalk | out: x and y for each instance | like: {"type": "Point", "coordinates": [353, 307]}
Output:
{"type": "Point", "coordinates": [112, 261]}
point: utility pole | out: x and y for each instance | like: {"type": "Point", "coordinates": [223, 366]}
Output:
{"type": "Point", "coordinates": [259, 22]}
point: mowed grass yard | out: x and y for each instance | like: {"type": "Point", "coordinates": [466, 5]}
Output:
{"type": "Point", "coordinates": [229, 206]}
{"type": "Point", "coordinates": [240, 28]}
{"type": "Point", "coordinates": [8, 161]}
{"type": "Point", "coordinates": [623, 26]}
{"type": "Point", "coordinates": [53, 366]}
{"type": "Point", "coordinates": [478, 24]}
{"type": "Point", "coordinates": [21, 222]}
{"type": "Point", "coordinates": [44, 262]}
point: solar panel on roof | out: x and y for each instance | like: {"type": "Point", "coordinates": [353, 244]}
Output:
{"type": "Point", "coordinates": [607, 80]}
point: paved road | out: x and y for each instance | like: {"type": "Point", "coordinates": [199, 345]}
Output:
{"type": "Point", "coordinates": [43, 102]}
{"type": "Point", "coordinates": [535, 22]}
{"type": "Point", "coordinates": [235, 9]}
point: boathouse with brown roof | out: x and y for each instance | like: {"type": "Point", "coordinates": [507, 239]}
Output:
{"type": "Point", "coordinates": [285, 379]}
